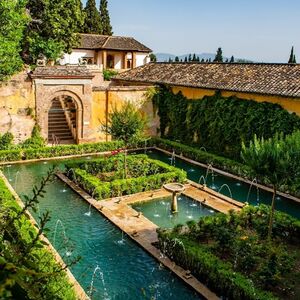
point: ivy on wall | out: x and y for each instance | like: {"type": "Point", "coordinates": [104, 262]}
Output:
{"type": "Point", "coordinates": [219, 124]}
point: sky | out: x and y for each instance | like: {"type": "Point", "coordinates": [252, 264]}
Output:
{"type": "Point", "coordinates": [260, 30]}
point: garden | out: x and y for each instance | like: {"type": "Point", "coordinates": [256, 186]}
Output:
{"type": "Point", "coordinates": [233, 256]}
{"type": "Point", "coordinates": [122, 174]}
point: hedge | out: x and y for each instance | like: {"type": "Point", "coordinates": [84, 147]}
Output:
{"type": "Point", "coordinates": [210, 270]}
{"type": "Point", "coordinates": [216, 161]}
{"type": "Point", "coordinates": [63, 150]}
{"type": "Point", "coordinates": [120, 187]}
{"type": "Point", "coordinates": [56, 286]}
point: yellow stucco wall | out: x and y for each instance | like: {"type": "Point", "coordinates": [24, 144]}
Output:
{"type": "Point", "coordinates": [17, 100]}
{"type": "Point", "coordinates": [290, 104]}
{"type": "Point", "coordinates": [104, 102]}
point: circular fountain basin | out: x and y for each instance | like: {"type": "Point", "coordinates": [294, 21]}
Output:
{"type": "Point", "coordinates": [174, 187]}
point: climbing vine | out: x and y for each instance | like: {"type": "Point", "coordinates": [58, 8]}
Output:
{"type": "Point", "coordinates": [217, 123]}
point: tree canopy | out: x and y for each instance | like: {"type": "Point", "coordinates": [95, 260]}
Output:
{"type": "Point", "coordinates": [219, 55]}
{"type": "Point", "coordinates": [53, 28]}
{"type": "Point", "coordinates": [106, 27]}
{"type": "Point", "coordinates": [92, 23]}
{"type": "Point", "coordinates": [13, 19]}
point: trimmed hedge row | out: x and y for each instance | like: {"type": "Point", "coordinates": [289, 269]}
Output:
{"type": "Point", "coordinates": [63, 150]}
{"type": "Point", "coordinates": [120, 187]}
{"type": "Point", "coordinates": [57, 285]}
{"type": "Point", "coordinates": [220, 162]}
{"type": "Point", "coordinates": [210, 270]}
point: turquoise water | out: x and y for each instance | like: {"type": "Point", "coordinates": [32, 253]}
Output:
{"type": "Point", "coordinates": [238, 189]}
{"type": "Point", "coordinates": [128, 272]}
{"type": "Point", "coordinates": [159, 211]}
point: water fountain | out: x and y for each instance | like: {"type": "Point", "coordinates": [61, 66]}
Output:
{"type": "Point", "coordinates": [175, 189]}
{"type": "Point", "coordinates": [91, 290]}
{"type": "Point", "coordinates": [16, 179]}
{"type": "Point", "coordinates": [210, 168]}
{"type": "Point", "coordinates": [89, 212]}
{"type": "Point", "coordinates": [228, 188]}
{"type": "Point", "coordinates": [257, 190]}
{"type": "Point", "coordinates": [202, 178]}
{"type": "Point", "coordinates": [172, 158]}
{"type": "Point", "coordinates": [59, 222]}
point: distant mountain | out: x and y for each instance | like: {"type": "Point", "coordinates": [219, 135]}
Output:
{"type": "Point", "coordinates": [162, 57]}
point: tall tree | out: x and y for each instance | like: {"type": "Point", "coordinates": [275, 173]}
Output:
{"type": "Point", "coordinates": [219, 55]}
{"type": "Point", "coordinates": [190, 57]}
{"type": "Point", "coordinates": [185, 59]}
{"type": "Point", "coordinates": [194, 57]}
{"type": "Point", "coordinates": [92, 22]}
{"type": "Point", "coordinates": [292, 59]}
{"type": "Point", "coordinates": [53, 29]}
{"type": "Point", "coordinates": [275, 161]}
{"type": "Point", "coordinates": [13, 20]}
{"type": "Point", "coordinates": [176, 59]}
{"type": "Point", "coordinates": [231, 59]}
{"type": "Point", "coordinates": [105, 19]}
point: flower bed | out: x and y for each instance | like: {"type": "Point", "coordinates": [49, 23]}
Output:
{"type": "Point", "coordinates": [108, 177]}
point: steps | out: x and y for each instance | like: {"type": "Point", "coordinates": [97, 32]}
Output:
{"type": "Point", "coordinates": [58, 125]}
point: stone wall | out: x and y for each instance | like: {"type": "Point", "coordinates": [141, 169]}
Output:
{"type": "Point", "coordinates": [17, 107]}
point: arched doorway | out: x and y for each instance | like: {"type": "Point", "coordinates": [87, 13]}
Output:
{"type": "Point", "coordinates": [63, 120]}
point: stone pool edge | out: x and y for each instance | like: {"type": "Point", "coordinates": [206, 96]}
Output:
{"type": "Point", "coordinates": [79, 291]}
{"type": "Point", "coordinates": [140, 237]}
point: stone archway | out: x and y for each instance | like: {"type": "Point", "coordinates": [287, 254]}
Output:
{"type": "Point", "coordinates": [64, 120]}
{"type": "Point", "coordinates": [65, 83]}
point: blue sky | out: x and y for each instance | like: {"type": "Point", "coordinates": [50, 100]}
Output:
{"type": "Point", "coordinates": [261, 30]}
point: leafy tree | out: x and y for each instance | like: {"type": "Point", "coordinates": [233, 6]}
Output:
{"type": "Point", "coordinates": [13, 20]}
{"type": "Point", "coordinates": [153, 57]}
{"type": "Point", "coordinates": [106, 27]}
{"type": "Point", "coordinates": [126, 124]}
{"type": "Point", "coordinates": [53, 29]}
{"type": "Point", "coordinates": [219, 55]}
{"type": "Point", "coordinates": [292, 59]}
{"type": "Point", "coordinates": [273, 161]}
{"type": "Point", "coordinates": [92, 23]}
{"type": "Point", "coordinates": [6, 141]}
{"type": "Point", "coordinates": [202, 60]}
{"type": "Point", "coordinates": [231, 59]}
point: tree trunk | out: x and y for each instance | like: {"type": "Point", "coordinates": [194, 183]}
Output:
{"type": "Point", "coordinates": [272, 213]}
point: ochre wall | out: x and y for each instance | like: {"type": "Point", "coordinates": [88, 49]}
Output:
{"type": "Point", "coordinates": [17, 100]}
{"type": "Point", "coordinates": [290, 104]}
{"type": "Point", "coordinates": [104, 101]}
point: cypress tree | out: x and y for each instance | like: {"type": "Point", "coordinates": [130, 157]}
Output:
{"type": "Point", "coordinates": [232, 59]}
{"type": "Point", "coordinates": [105, 19]}
{"type": "Point", "coordinates": [190, 57]}
{"type": "Point", "coordinates": [92, 22]}
{"type": "Point", "coordinates": [292, 57]}
{"type": "Point", "coordinates": [202, 60]}
{"type": "Point", "coordinates": [176, 59]}
{"type": "Point", "coordinates": [219, 55]}
{"type": "Point", "coordinates": [194, 57]}
{"type": "Point", "coordinates": [185, 59]}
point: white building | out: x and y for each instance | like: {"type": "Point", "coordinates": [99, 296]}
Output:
{"type": "Point", "coordinates": [108, 52]}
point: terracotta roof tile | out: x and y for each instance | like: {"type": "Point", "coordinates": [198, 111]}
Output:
{"type": "Point", "coordinates": [272, 79]}
{"type": "Point", "coordinates": [96, 41]}
{"type": "Point", "coordinates": [62, 71]}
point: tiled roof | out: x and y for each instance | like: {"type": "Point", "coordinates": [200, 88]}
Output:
{"type": "Point", "coordinates": [96, 41]}
{"type": "Point", "coordinates": [271, 79]}
{"type": "Point", "coordinates": [62, 72]}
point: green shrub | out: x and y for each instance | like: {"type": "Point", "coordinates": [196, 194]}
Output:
{"type": "Point", "coordinates": [6, 141]}
{"type": "Point", "coordinates": [108, 74]}
{"type": "Point", "coordinates": [47, 279]}
{"type": "Point", "coordinates": [36, 140]}
{"type": "Point", "coordinates": [151, 175]}
{"type": "Point", "coordinates": [220, 162]}
{"type": "Point", "coordinates": [63, 150]}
